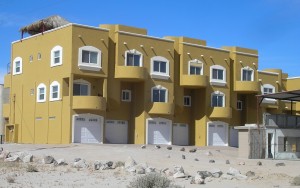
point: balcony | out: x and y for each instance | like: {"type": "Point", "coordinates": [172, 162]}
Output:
{"type": "Point", "coordinates": [6, 110]}
{"type": "Point", "coordinates": [161, 108]}
{"type": "Point", "coordinates": [269, 103]}
{"type": "Point", "coordinates": [7, 80]}
{"type": "Point", "coordinates": [247, 87]}
{"type": "Point", "coordinates": [221, 112]}
{"type": "Point", "coordinates": [89, 103]}
{"type": "Point", "coordinates": [193, 81]}
{"type": "Point", "coordinates": [130, 73]}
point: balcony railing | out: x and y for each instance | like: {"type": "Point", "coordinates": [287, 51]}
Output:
{"type": "Point", "coordinates": [281, 120]}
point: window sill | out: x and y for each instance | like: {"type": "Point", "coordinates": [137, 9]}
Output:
{"type": "Point", "coordinates": [17, 73]}
{"type": "Point", "coordinates": [89, 67]}
{"type": "Point", "coordinates": [40, 101]}
{"type": "Point", "coordinates": [55, 65]}
{"type": "Point", "coordinates": [160, 76]}
{"type": "Point", "coordinates": [217, 82]}
{"type": "Point", "coordinates": [53, 100]}
{"type": "Point", "coordinates": [269, 101]}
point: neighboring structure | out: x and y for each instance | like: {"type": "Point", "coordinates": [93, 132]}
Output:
{"type": "Point", "coordinates": [116, 84]}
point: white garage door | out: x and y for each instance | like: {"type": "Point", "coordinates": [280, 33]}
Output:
{"type": "Point", "coordinates": [217, 134]}
{"type": "Point", "coordinates": [116, 132]}
{"type": "Point", "coordinates": [87, 128]}
{"type": "Point", "coordinates": [159, 131]}
{"type": "Point", "coordinates": [180, 134]}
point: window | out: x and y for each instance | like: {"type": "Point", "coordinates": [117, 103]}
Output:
{"type": "Point", "coordinates": [159, 94]}
{"type": "Point", "coordinates": [247, 74]}
{"type": "Point", "coordinates": [126, 95]}
{"type": "Point", "coordinates": [268, 89]}
{"type": "Point", "coordinates": [54, 91]}
{"type": "Point", "coordinates": [217, 99]}
{"type": "Point", "coordinates": [133, 58]}
{"type": "Point", "coordinates": [81, 88]}
{"type": "Point", "coordinates": [89, 58]}
{"type": "Point", "coordinates": [187, 100]}
{"type": "Point", "coordinates": [56, 56]}
{"type": "Point", "coordinates": [195, 67]}
{"type": "Point", "coordinates": [217, 75]}
{"type": "Point", "coordinates": [41, 93]}
{"type": "Point", "coordinates": [159, 67]}
{"type": "Point", "coordinates": [39, 56]}
{"type": "Point", "coordinates": [239, 105]}
{"type": "Point", "coordinates": [30, 58]}
{"type": "Point", "coordinates": [17, 66]}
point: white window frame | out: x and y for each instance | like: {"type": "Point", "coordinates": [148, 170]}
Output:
{"type": "Point", "coordinates": [129, 95]}
{"type": "Point", "coordinates": [17, 59]}
{"type": "Point", "coordinates": [248, 69]}
{"type": "Point", "coordinates": [195, 61]}
{"type": "Point", "coordinates": [189, 98]}
{"type": "Point", "coordinates": [239, 105]}
{"type": "Point", "coordinates": [134, 52]}
{"type": "Point", "coordinates": [41, 85]}
{"type": "Point", "coordinates": [54, 83]}
{"type": "Point", "coordinates": [268, 100]}
{"type": "Point", "coordinates": [218, 93]}
{"type": "Point", "coordinates": [160, 88]}
{"type": "Point", "coordinates": [83, 82]}
{"type": "Point", "coordinates": [60, 49]}
{"type": "Point", "coordinates": [159, 75]}
{"type": "Point", "coordinates": [217, 82]}
{"type": "Point", "coordinates": [89, 66]}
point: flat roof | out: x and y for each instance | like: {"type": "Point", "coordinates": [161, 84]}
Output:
{"type": "Point", "coordinates": [286, 95]}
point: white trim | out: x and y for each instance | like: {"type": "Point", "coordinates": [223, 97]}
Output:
{"type": "Point", "coordinates": [54, 83]}
{"type": "Point", "coordinates": [135, 52]}
{"type": "Point", "coordinates": [216, 123]}
{"type": "Point", "coordinates": [218, 82]}
{"type": "Point", "coordinates": [268, 100]}
{"type": "Point", "coordinates": [267, 72]}
{"type": "Point", "coordinates": [41, 85]}
{"type": "Point", "coordinates": [89, 66]}
{"type": "Point", "coordinates": [190, 99]}
{"type": "Point", "coordinates": [243, 53]}
{"type": "Point", "coordinates": [197, 61]}
{"type": "Point", "coordinates": [145, 36]}
{"type": "Point", "coordinates": [83, 82]}
{"type": "Point", "coordinates": [129, 95]}
{"type": "Point", "coordinates": [291, 78]}
{"type": "Point", "coordinates": [55, 49]}
{"type": "Point", "coordinates": [159, 119]}
{"type": "Point", "coordinates": [202, 46]}
{"type": "Point", "coordinates": [160, 75]}
{"type": "Point", "coordinates": [17, 59]}
{"type": "Point", "coordinates": [218, 93]}
{"type": "Point", "coordinates": [248, 69]}
{"type": "Point", "coordinates": [160, 88]}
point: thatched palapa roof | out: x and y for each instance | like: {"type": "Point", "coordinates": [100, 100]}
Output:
{"type": "Point", "coordinates": [44, 25]}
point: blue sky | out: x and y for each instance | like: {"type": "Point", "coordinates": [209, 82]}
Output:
{"type": "Point", "coordinates": [270, 26]}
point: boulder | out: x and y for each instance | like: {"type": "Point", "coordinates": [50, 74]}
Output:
{"type": "Point", "coordinates": [227, 177]}
{"type": "Point", "coordinates": [178, 169]}
{"type": "Point", "coordinates": [48, 159]}
{"type": "Point", "coordinates": [4, 154]}
{"type": "Point", "coordinates": [233, 171]}
{"type": "Point", "coordinates": [60, 162]}
{"type": "Point", "coordinates": [259, 163]}
{"type": "Point", "coordinates": [179, 175]}
{"type": "Point", "coordinates": [149, 169]}
{"type": "Point", "coordinates": [212, 161]}
{"type": "Point", "coordinates": [130, 162]}
{"type": "Point", "coordinates": [80, 164]}
{"type": "Point", "coordinates": [143, 146]}
{"type": "Point", "coordinates": [227, 162]}
{"type": "Point", "coordinates": [14, 158]}
{"type": "Point", "coordinates": [157, 147]}
{"type": "Point", "coordinates": [103, 165]}
{"type": "Point", "coordinates": [182, 149]}
{"type": "Point", "coordinates": [168, 173]}
{"type": "Point", "coordinates": [280, 164]}
{"type": "Point", "coordinates": [77, 159]}
{"type": "Point", "coordinates": [196, 159]}
{"type": "Point", "coordinates": [250, 174]}
{"type": "Point", "coordinates": [216, 173]}
{"type": "Point", "coordinates": [139, 169]}
{"type": "Point", "coordinates": [25, 157]}
{"type": "Point", "coordinates": [240, 177]}
{"type": "Point", "coordinates": [204, 174]}
{"type": "Point", "coordinates": [169, 147]}
{"type": "Point", "coordinates": [193, 150]}
{"type": "Point", "coordinates": [197, 180]}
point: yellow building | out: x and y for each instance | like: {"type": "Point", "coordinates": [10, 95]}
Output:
{"type": "Point", "coordinates": [116, 84]}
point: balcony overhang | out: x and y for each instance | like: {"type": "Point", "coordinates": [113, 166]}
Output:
{"type": "Point", "coordinates": [89, 103]}
{"type": "Point", "coordinates": [221, 112]}
{"type": "Point", "coordinates": [193, 81]}
{"type": "Point", "coordinates": [130, 73]}
{"type": "Point", "coordinates": [162, 108]}
{"type": "Point", "coordinates": [247, 86]}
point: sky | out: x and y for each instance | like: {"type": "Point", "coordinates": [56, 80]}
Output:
{"type": "Point", "coordinates": [270, 26]}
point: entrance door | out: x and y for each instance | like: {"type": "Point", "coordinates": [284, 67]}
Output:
{"type": "Point", "coordinates": [180, 134]}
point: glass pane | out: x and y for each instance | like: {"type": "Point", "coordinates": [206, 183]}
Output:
{"type": "Point", "coordinates": [244, 75]}
{"type": "Point", "coordinates": [220, 101]}
{"type": "Point", "coordinates": [56, 60]}
{"type": "Point", "coordinates": [250, 75]}
{"type": "Point", "coordinates": [42, 90]}
{"type": "Point", "coordinates": [162, 95]}
{"type": "Point", "coordinates": [215, 74]}
{"type": "Point", "coordinates": [198, 70]}
{"type": "Point", "coordinates": [214, 100]}
{"type": "Point", "coordinates": [55, 95]}
{"type": "Point", "coordinates": [156, 66]}
{"type": "Point", "coordinates": [42, 96]}
{"type": "Point", "coordinates": [129, 61]}
{"type": "Point", "coordinates": [93, 57]}
{"type": "Point", "coordinates": [192, 70]}
{"type": "Point", "coordinates": [76, 89]}
{"type": "Point", "coordinates": [220, 74]}
{"type": "Point", "coordinates": [18, 69]}
{"type": "Point", "coordinates": [137, 60]}
{"type": "Point", "coordinates": [163, 67]}
{"type": "Point", "coordinates": [155, 95]}
{"type": "Point", "coordinates": [85, 56]}
{"type": "Point", "coordinates": [17, 64]}
{"type": "Point", "coordinates": [54, 89]}
{"type": "Point", "coordinates": [83, 89]}
{"type": "Point", "coordinates": [56, 53]}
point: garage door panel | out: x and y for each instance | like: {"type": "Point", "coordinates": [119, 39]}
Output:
{"type": "Point", "coordinates": [217, 135]}
{"type": "Point", "coordinates": [159, 131]}
{"type": "Point", "coordinates": [116, 131]}
{"type": "Point", "coordinates": [180, 134]}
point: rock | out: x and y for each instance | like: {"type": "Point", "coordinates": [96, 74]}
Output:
{"type": "Point", "coordinates": [227, 162]}
{"type": "Point", "coordinates": [240, 177]}
{"type": "Point", "coordinates": [97, 165]}
{"type": "Point", "coordinates": [208, 153]}
{"type": "Point", "coordinates": [4, 154]}
{"type": "Point", "coordinates": [169, 173]}
{"type": "Point", "coordinates": [48, 159]}
{"type": "Point", "coordinates": [280, 164]}
{"type": "Point", "coordinates": [179, 175]}
{"type": "Point", "coordinates": [169, 147]}
{"type": "Point", "coordinates": [182, 149]}
{"type": "Point", "coordinates": [196, 159]}
{"type": "Point", "coordinates": [139, 169]}
{"type": "Point", "coordinates": [241, 163]}
{"type": "Point", "coordinates": [193, 150]}
{"type": "Point", "coordinates": [259, 163]}
{"type": "Point", "coordinates": [14, 158]}
{"type": "Point", "coordinates": [143, 146]}
{"type": "Point", "coordinates": [183, 156]}
{"type": "Point", "coordinates": [130, 162]}
{"type": "Point", "coordinates": [216, 173]}
{"type": "Point", "coordinates": [60, 162]}
{"type": "Point", "coordinates": [204, 174]}
{"type": "Point", "coordinates": [150, 169]}
{"type": "Point", "coordinates": [80, 164]}
{"type": "Point", "coordinates": [168, 156]}
{"type": "Point", "coordinates": [250, 174]}
{"type": "Point", "coordinates": [131, 169]}
{"type": "Point", "coordinates": [165, 169]}
{"type": "Point", "coordinates": [212, 161]}
{"type": "Point", "coordinates": [233, 171]}
{"type": "Point", "coordinates": [157, 146]}
{"type": "Point", "coordinates": [178, 169]}
{"type": "Point", "coordinates": [198, 179]}
{"type": "Point", "coordinates": [1, 149]}
{"type": "Point", "coordinates": [77, 159]}
{"type": "Point", "coordinates": [227, 177]}
{"type": "Point", "coordinates": [28, 158]}
{"type": "Point", "coordinates": [103, 165]}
